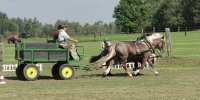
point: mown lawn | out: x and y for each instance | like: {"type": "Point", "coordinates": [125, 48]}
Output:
{"type": "Point", "coordinates": [178, 76]}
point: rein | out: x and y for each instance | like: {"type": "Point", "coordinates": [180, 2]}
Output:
{"type": "Point", "coordinates": [149, 45]}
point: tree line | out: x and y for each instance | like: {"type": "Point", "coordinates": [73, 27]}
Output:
{"type": "Point", "coordinates": [134, 15]}
{"type": "Point", "coordinates": [130, 16]}
{"type": "Point", "coordinates": [33, 28]}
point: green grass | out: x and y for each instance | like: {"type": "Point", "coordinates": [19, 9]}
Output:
{"type": "Point", "coordinates": [178, 76]}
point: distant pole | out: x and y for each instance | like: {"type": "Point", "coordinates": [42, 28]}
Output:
{"type": "Point", "coordinates": [1, 53]}
{"type": "Point", "coordinates": [178, 29]}
{"type": "Point", "coordinates": [168, 39]}
{"type": "Point", "coordinates": [185, 31]}
{"type": "Point", "coordinates": [142, 33]}
{"type": "Point", "coordinates": [94, 36]}
{"type": "Point", "coordinates": [154, 29]}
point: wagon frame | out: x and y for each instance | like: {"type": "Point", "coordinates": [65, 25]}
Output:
{"type": "Point", "coordinates": [29, 54]}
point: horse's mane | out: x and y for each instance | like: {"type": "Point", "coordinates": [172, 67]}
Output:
{"type": "Point", "coordinates": [154, 36]}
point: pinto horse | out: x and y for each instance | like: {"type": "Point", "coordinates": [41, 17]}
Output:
{"type": "Point", "coordinates": [135, 51]}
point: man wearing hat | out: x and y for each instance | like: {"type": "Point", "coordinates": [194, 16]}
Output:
{"type": "Point", "coordinates": [62, 37]}
{"type": "Point", "coordinates": [104, 48]}
{"type": "Point", "coordinates": [105, 44]}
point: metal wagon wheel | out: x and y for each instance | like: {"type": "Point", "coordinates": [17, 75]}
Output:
{"type": "Point", "coordinates": [31, 72]}
{"type": "Point", "coordinates": [19, 71]}
{"type": "Point", "coordinates": [66, 72]}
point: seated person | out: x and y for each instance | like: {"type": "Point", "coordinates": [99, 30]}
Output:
{"type": "Point", "coordinates": [62, 37]}
{"type": "Point", "coordinates": [55, 36]}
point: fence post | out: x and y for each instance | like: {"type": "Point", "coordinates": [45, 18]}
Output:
{"type": "Point", "coordinates": [153, 29]}
{"type": "Point", "coordinates": [1, 53]}
{"type": "Point", "coordinates": [168, 39]}
{"type": "Point", "coordinates": [142, 32]}
{"type": "Point", "coordinates": [178, 29]}
{"type": "Point", "coordinates": [185, 31]}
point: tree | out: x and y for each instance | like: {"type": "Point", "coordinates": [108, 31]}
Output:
{"type": "Point", "coordinates": [132, 15]}
{"type": "Point", "coordinates": [167, 15]}
{"type": "Point", "coordinates": [191, 12]}
{"type": "Point", "coordinates": [98, 27]}
{"type": "Point", "coordinates": [87, 29]}
{"type": "Point", "coordinates": [3, 20]}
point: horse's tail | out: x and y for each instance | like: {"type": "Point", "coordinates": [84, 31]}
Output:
{"type": "Point", "coordinates": [95, 58]}
{"type": "Point", "coordinates": [99, 62]}
{"type": "Point", "coordinates": [103, 53]}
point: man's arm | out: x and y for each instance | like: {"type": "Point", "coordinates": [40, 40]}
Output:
{"type": "Point", "coordinates": [71, 39]}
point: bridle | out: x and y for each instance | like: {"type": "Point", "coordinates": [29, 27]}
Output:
{"type": "Point", "coordinates": [157, 45]}
{"type": "Point", "coordinates": [150, 45]}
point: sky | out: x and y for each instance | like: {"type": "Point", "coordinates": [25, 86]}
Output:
{"type": "Point", "coordinates": [49, 11]}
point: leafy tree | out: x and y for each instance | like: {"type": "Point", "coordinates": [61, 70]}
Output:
{"type": "Point", "coordinates": [87, 29]}
{"type": "Point", "coordinates": [132, 15]}
{"type": "Point", "coordinates": [98, 27]}
{"type": "Point", "coordinates": [167, 15]}
{"type": "Point", "coordinates": [191, 12]}
{"type": "Point", "coordinates": [3, 20]}
{"type": "Point", "coordinates": [47, 31]}
{"type": "Point", "coordinates": [20, 24]}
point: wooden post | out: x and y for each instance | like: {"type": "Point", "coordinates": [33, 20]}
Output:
{"type": "Point", "coordinates": [142, 33]}
{"type": "Point", "coordinates": [168, 39]}
{"type": "Point", "coordinates": [178, 29]}
{"type": "Point", "coordinates": [185, 31]}
{"type": "Point", "coordinates": [153, 29]}
{"type": "Point", "coordinates": [94, 36]}
{"type": "Point", "coordinates": [1, 53]}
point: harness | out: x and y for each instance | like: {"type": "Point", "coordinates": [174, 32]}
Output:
{"type": "Point", "coordinates": [138, 51]}
{"type": "Point", "coordinates": [147, 43]}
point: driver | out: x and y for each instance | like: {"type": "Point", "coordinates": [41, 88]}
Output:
{"type": "Point", "coordinates": [63, 36]}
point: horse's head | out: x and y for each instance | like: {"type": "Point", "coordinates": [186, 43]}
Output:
{"type": "Point", "coordinates": [160, 44]}
{"type": "Point", "coordinates": [157, 41]}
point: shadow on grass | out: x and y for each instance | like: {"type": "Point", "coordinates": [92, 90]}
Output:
{"type": "Point", "coordinates": [112, 75]}
{"type": "Point", "coordinates": [40, 78]}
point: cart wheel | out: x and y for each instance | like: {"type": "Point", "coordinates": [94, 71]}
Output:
{"type": "Point", "coordinates": [31, 72]}
{"type": "Point", "coordinates": [55, 71]}
{"type": "Point", "coordinates": [66, 72]}
{"type": "Point", "coordinates": [19, 71]}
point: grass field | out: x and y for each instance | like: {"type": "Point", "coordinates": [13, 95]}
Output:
{"type": "Point", "coordinates": [178, 76]}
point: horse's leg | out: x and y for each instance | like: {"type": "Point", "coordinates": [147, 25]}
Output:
{"type": "Point", "coordinates": [111, 62]}
{"type": "Point", "coordinates": [126, 69]}
{"type": "Point", "coordinates": [152, 66]}
{"type": "Point", "coordinates": [142, 66]}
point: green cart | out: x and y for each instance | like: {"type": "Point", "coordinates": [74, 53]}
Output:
{"type": "Point", "coordinates": [29, 54]}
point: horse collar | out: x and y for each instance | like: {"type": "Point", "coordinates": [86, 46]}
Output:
{"type": "Point", "coordinates": [137, 49]}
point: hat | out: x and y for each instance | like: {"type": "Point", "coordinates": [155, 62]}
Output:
{"type": "Point", "coordinates": [105, 39]}
{"type": "Point", "coordinates": [64, 26]}
{"type": "Point", "coordinates": [59, 26]}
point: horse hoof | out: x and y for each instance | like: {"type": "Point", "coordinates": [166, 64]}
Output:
{"type": "Point", "coordinates": [137, 74]}
{"type": "Point", "coordinates": [130, 75]}
{"type": "Point", "coordinates": [156, 73]}
{"type": "Point", "coordinates": [109, 74]}
{"type": "Point", "coordinates": [104, 73]}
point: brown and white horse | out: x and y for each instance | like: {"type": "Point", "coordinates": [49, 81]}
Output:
{"type": "Point", "coordinates": [136, 51]}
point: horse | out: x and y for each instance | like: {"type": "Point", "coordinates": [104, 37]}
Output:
{"type": "Point", "coordinates": [134, 51]}
{"type": "Point", "coordinates": [13, 39]}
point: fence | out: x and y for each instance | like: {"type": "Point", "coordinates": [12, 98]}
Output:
{"type": "Point", "coordinates": [1, 53]}
{"type": "Point", "coordinates": [12, 67]}
{"type": "Point", "coordinates": [130, 65]}
{"type": "Point", "coordinates": [172, 29]}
